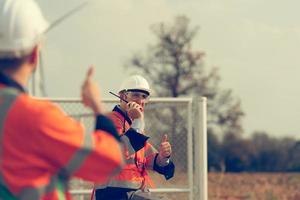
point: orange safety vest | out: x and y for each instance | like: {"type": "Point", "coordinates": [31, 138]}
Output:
{"type": "Point", "coordinates": [134, 174]}
{"type": "Point", "coordinates": [41, 148]}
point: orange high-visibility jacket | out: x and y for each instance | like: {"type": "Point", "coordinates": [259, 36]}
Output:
{"type": "Point", "coordinates": [139, 154]}
{"type": "Point", "coordinates": [41, 147]}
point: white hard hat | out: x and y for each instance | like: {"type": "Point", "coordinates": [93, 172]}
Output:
{"type": "Point", "coordinates": [135, 83]}
{"type": "Point", "coordinates": [21, 27]}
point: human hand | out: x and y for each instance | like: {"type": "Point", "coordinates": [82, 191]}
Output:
{"type": "Point", "coordinates": [165, 149]}
{"type": "Point", "coordinates": [90, 92]}
{"type": "Point", "coordinates": [134, 110]}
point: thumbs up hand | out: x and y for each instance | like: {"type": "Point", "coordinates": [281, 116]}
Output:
{"type": "Point", "coordinates": [165, 149]}
{"type": "Point", "coordinates": [90, 92]}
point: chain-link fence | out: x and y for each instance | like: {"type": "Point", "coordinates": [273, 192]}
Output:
{"type": "Point", "coordinates": [178, 118]}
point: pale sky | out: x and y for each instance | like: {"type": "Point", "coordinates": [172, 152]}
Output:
{"type": "Point", "coordinates": [254, 43]}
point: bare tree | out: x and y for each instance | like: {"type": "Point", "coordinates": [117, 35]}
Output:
{"type": "Point", "coordinates": [175, 69]}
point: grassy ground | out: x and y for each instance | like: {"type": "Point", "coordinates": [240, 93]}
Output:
{"type": "Point", "coordinates": [232, 186]}
{"type": "Point", "coordinates": [254, 186]}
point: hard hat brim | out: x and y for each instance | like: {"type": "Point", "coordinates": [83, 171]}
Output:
{"type": "Point", "coordinates": [139, 90]}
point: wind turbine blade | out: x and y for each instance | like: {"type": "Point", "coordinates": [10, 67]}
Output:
{"type": "Point", "coordinates": [65, 16]}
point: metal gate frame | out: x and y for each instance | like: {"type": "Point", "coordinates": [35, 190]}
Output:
{"type": "Point", "coordinates": [196, 142]}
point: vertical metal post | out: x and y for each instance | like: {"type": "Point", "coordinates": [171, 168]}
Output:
{"type": "Point", "coordinates": [200, 124]}
{"type": "Point", "coordinates": [190, 149]}
{"type": "Point", "coordinates": [32, 84]}
{"type": "Point", "coordinates": [36, 83]}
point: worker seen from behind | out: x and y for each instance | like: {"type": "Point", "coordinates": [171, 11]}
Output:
{"type": "Point", "coordinates": [133, 181]}
{"type": "Point", "coordinates": [41, 147]}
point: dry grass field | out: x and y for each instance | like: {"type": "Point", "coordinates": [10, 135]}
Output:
{"type": "Point", "coordinates": [254, 186]}
{"type": "Point", "coordinates": [233, 186]}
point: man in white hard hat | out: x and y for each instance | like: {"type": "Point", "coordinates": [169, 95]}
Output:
{"type": "Point", "coordinates": [128, 116]}
{"type": "Point", "coordinates": [41, 147]}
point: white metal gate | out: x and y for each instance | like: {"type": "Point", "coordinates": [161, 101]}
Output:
{"type": "Point", "coordinates": [184, 121]}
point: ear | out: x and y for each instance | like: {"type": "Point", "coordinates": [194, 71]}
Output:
{"type": "Point", "coordinates": [34, 57]}
{"type": "Point", "coordinates": [123, 96]}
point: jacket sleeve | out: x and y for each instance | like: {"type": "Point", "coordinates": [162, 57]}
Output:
{"type": "Point", "coordinates": [105, 124]}
{"type": "Point", "coordinates": [70, 150]}
{"type": "Point", "coordinates": [117, 122]}
{"type": "Point", "coordinates": [131, 138]}
{"type": "Point", "coordinates": [137, 140]}
{"type": "Point", "coordinates": [168, 170]}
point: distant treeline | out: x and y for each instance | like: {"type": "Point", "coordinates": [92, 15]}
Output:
{"type": "Point", "coordinates": [260, 153]}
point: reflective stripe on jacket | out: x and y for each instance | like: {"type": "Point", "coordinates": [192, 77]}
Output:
{"type": "Point", "coordinates": [41, 148]}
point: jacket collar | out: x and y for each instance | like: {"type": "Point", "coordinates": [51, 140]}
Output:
{"type": "Point", "coordinates": [118, 109]}
{"type": "Point", "coordinates": [6, 80]}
